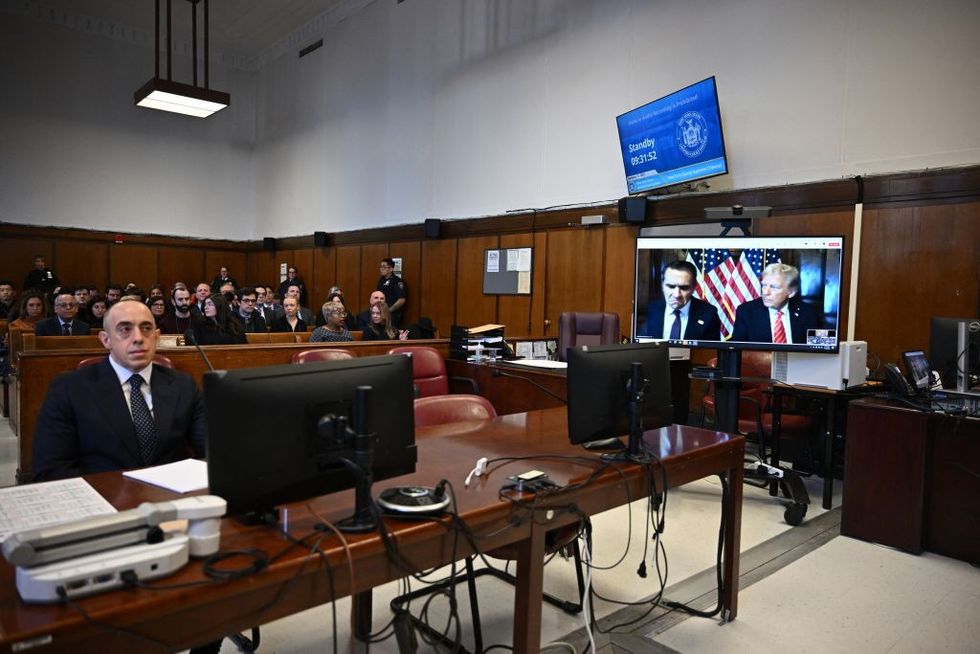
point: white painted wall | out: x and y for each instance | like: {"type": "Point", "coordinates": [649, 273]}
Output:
{"type": "Point", "coordinates": [76, 151]}
{"type": "Point", "coordinates": [452, 109]}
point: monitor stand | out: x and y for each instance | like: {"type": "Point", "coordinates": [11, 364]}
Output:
{"type": "Point", "coordinates": [637, 392]}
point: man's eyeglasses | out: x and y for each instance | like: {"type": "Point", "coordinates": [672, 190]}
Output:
{"type": "Point", "coordinates": [66, 305]}
{"type": "Point", "coordinates": [248, 300]}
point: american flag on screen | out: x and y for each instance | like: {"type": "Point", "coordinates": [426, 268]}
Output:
{"type": "Point", "coordinates": [726, 284]}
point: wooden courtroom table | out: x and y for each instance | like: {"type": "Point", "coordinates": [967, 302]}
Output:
{"type": "Point", "coordinates": [36, 370]}
{"type": "Point", "coordinates": [298, 579]}
{"type": "Point", "coordinates": [511, 388]}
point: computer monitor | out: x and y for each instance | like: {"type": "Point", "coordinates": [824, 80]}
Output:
{"type": "Point", "coordinates": [267, 445]}
{"type": "Point", "coordinates": [727, 290]}
{"type": "Point", "coordinates": [945, 354]}
{"type": "Point", "coordinates": [599, 380]}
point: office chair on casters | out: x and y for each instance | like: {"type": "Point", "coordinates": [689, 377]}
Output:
{"type": "Point", "coordinates": [584, 328]}
{"type": "Point", "coordinates": [755, 417]}
{"type": "Point", "coordinates": [444, 409]}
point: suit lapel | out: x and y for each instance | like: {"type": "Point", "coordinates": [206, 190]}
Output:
{"type": "Point", "coordinates": [109, 398]}
{"type": "Point", "coordinates": [164, 400]}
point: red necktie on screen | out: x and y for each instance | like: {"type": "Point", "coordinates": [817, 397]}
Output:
{"type": "Point", "coordinates": [778, 331]}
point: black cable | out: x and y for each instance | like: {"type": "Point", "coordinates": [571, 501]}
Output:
{"type": "Point", "coordinates": [497, 372]}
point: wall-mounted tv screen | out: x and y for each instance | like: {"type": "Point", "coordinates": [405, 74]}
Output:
{"type": "Point", "coordinates": [673, 140]}
{"type": "Point", "coordinates": [740, 292]}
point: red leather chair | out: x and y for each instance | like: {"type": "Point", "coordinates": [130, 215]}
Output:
{"type": "Point", "coordinates": [582, 328]}
{"type": "Point", "coordinates": [323, 354]}
{"type": "Point", "coordinates": [428, 369]}
{"type": "Point", "coordinates": [440, 409]}
{"type": "Point", "coordinates": [158, 359]}
{"type": "Point", "coordinates": [754, 410]}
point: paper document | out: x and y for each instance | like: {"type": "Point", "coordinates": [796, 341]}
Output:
{"type": "Point", "coordinates": [48, 503]}
{"type": "Point", "coordinates": [181, 477]}
{"type": "Point", "coordinates": [540, 363]}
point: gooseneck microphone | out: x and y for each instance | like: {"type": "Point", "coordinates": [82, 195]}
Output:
{"type": "Point", "coordinates": [189, 337]}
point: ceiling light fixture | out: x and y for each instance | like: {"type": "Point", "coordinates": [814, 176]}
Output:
{"type": "Point", "coordinates": [168, 95]}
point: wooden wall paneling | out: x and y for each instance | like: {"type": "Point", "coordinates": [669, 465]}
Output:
{"type": "Point", "coordinates": [261, 268]}
{"type": "Point", "coordinates": [133, 263]}
{"type": "Point", "coordinates": [574, 281]}
{"type": "Point", "coordinates": [472, 306]}
{"type": "Point", "coordinates": [82, 262]}
{"type": "Point", "coordinates": [180, 265]}
{"type": "Point", "coordinates": [411, 254]}
{"type": "Point", "coordinates": [437, 283]}
{"type": "Point", "coordinates": [916, 263]}
{"type": "Point", "coordinates": [348, 276]}
{"type": "Point", "coordinates": [371, 256]}
{"type": "Point", "coordinates": [819, 224]}
{"type": "Point", "coordinates": [17, 257]}
{"type": "Point", "coordinates": [235, 262]}
{"type": "Point", "coordinates": [324, 273]}
{"type": "Point", "coordinates": [538, 285]}
{"type": "Point", "coordinates": [618, 273]}
{"type": "Point", "coordinates": [514, 311]}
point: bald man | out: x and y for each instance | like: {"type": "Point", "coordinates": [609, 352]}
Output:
{"type": "Point", "coordinates": [122, 412]}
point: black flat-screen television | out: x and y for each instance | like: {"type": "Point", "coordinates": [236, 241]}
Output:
{"type": "Point", "coordinates": [945, 354]}
{"type": "Point", "coordinates": [673, 140]}
{"type": "Point", "coordinates": [599, 383]}
{"type": "Point", "coordinates": [739, 292]}
{"type": "Point", "coordinates": [265, 444]}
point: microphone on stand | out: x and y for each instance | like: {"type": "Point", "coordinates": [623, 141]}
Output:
{"type": "Point", "coordinates": [189, 337]}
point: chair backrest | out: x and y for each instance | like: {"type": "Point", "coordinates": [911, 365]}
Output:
{"type": "Point", "coordinates": [323, 354]}
{"type": "Point", "coordinates": [428, 369]}
{"type": "Point", "coordinates": [440, 409]}
{"type": "Point", "coordinates": [584, 328]}
{"type": "Point", "coordinates": [158, 359]}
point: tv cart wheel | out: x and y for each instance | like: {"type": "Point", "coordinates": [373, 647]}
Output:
{"type": "Point", "coordinates": [794, 514]}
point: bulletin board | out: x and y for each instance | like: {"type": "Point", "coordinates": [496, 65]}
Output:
{"type": "Point", "coordinates": [507, 271]}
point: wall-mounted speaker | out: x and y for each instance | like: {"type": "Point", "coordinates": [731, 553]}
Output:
{"type": "Point", "coordinates": [269, 244]}
{"type": "Point", "coordinates": [433, 226]}
{"type": "Point", "coordinates": [632, 209]}
{"type": "Point", "coordinates": [320, 239]}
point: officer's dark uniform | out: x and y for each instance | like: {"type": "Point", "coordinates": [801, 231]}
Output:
{"type": "Point", "coordinates": [394, 289]}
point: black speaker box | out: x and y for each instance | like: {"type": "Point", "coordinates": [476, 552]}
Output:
{"type": "Point", "coordinates": [432, 227]}
{"type": "Point", "coordinates": [269, 244]}
{"type": "Point", "coordinates": [632, 210]}
{"type": "Point", "coordinates": [320, 239]}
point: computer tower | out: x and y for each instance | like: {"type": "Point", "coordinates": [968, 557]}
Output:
{"type": "Point", "coordinates": [846, 368]}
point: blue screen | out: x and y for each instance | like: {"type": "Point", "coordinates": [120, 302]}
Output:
{"type": "Point", "coordinates": [673, 140]}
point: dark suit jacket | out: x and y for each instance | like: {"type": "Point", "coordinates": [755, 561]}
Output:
{"type": "Point", "coordinates": [702, 321]}
{"type": "Point", "coordinates": [752, 321]}
{"type": "Point", "coordinates": [85, 426]}
{"type": "Point", "coordinates": [52, 327]}
{"type": "Point", "coordinates": [256, 325]}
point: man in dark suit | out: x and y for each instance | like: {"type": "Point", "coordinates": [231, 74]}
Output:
{"type": "Point", "coordinates": [778, 315]}
{"type": "Point", "coordinates": [64, 323]}
{"type": "Point", "coordinates": [124, 412]}
{"type": "Point", "coordinates": [678, 315]}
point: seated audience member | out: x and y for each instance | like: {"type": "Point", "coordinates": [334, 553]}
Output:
{"type": "Point", "coordinates": [364, 317]}
{"type": "Point", "coordinates": [7, 298]}
{"type": "Point", "coordinates": [334, 330]}
{"type": "Point", "coordinates": [201, 293]}
{"type": "Point", "coordinates": [99, 418]}
{"type": "Point", "coordinates": [217, 327]}
{"type": "Point", "coordinates": [381, 328]}
{"type": "Point", "coordinates": [295, 291]}
{"type": "Point", "coordinates": [290, 320]}
{"type": "Point", "coordinates": [33, 309]}
{"type": "Point", "coordinates": [96, 308]}
{"type": "Point", "coordinates": [338, 298]}
{"type": "Point", "coordinates": [179, 320]}
{"type": "Point", "coordinates": [156, 290]}
{"type": "Point", "coordinates": [250, 320]}
{"type": "Point", "coordinates": [264, 305]}
{"type": "Point", "coordinates": [82, 295]}
{"type": "Point", "coordinates": [64, 322]}
{"type": "Point", "coordinates": [158, 307]}
{"type": "Point", "coordinates": [223, 277]}
{"type": "Point", "coordinates": [112, 293]}
{"type": "Point", "coordinates": [778, 315]}
{"type": "Point", "coordinates": [292, 277]}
